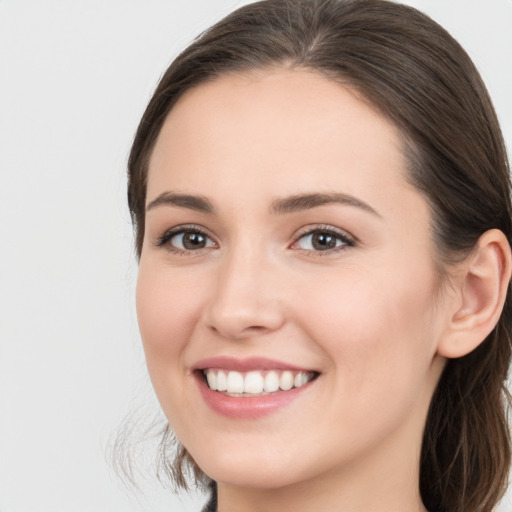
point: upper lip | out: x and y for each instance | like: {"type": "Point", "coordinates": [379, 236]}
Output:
{"type": "Point", "coordinates": [246, 364]}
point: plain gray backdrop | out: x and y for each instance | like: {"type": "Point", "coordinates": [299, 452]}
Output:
{"type": "Point", "coordinates": [75, 77]}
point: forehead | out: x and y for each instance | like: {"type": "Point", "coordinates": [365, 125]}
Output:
{"type": "Point", "coordinates": [275, 132]}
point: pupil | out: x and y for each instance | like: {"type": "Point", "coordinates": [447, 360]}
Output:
{"type": "Point", "coordinates": [323, 241]}
{"type": "Point", "coordinates": [193, 241]}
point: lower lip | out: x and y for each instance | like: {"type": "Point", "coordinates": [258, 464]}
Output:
{"type": "Point", "coordinates": [249, 407]}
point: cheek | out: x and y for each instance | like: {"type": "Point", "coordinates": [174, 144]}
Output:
{"type": "Point", "coordinates": [376, 327]}
{"type": "Point", "coordinates": [377, 340]}
{"type": "Point", "coordinates": [167, 309]}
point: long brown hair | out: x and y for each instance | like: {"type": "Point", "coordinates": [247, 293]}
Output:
{"type": "Point", "coordinates": [411, 70]}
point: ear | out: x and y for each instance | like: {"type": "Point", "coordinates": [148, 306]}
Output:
{"type": "Point", "coordinates": [480, 292]}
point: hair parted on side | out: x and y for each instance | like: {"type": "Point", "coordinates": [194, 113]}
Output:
{"type": "Point", "coordinates": [412, 71]}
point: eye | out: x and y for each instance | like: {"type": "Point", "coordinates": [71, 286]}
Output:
{"type": "Point", "coordinates": [186, 239]}
{"type": "Point", "coordinates": [323, 240]}
{"type": "Point", "coordinates": [190, 241]}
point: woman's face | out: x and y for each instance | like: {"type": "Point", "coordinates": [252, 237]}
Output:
{"type": "Point", "coordinates": [284, 247]}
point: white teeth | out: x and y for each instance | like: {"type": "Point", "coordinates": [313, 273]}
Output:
{"type": "Point", "coordinates": [286, 381]}
{"type": "Point", "coordinates": [300, 379]}
{"type": "Point", "coordinates": [235, 383]}
{"type": "Point", "coordinates": [271, 382]}
{"type": "Point", "coordinates": [255, 382]}
{"type": "Point", "coordinates": [212, 380]}
{"type": "Point", "coordinates": [222, 381]}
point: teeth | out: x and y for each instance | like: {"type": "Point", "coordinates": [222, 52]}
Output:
{"type": "Point", "coordinates": [212, 380]}
{"type": "Point", "coordinates": [255, 382]}
{"type": "Point", "coordinates": [300, 379]}
{"type": "Point", "coordinates": [286, 381]}
{"type": "Point", "coordinates": [235, 382]}
{"type": "Point", "coordinates": [271, 382]}
{"type": "Point", "coordinates": [222, 381]}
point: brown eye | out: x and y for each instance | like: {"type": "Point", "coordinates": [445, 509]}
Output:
{"type": "Point", "coordinates": [190, 241]}
{"type": "Point", "coordinates": [322, 240]}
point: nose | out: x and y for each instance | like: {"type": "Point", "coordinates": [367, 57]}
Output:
{"type": "Point", "coordinates": [246, 300]}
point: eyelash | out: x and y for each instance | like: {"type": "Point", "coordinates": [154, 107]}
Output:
{"type": "Point", "coordinates": [346, 239]}
{"type": "Point", "coordinates": [165, 239]}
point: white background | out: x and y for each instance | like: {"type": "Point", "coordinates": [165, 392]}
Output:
{"type": "Point", "coordinates": [75, 77]}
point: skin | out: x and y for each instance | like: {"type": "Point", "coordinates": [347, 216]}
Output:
{"type": "Point", "coordinates": [368, 316]}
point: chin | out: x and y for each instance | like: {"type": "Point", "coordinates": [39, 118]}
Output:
{"type": "Point", "coordinates": [244, 470]}
{"type": "Point", "coordinates": [255, 478]}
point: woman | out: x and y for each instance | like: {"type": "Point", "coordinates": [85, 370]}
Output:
{"type": "Point", "coordinates": [321, 199]}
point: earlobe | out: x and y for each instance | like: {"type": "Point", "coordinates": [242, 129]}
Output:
{"type": "Point", "coordinates": [481, 290]}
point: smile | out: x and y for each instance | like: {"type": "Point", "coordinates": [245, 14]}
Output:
{"type": "Point", "coordinates": [256, 382]}
{"type": "Point", "coordinates": [251, 388]}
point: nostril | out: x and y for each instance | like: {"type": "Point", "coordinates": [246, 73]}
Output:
{"type": "Point", "coordinates": [240, 333]}
{"type": "Point", "coordinates": [256, 328]}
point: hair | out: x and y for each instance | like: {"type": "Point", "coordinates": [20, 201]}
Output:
{"type": "Point", "coordinates": [415, 74]}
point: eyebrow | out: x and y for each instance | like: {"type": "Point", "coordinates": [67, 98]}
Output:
{"type": "Point", "coordinates": [197, 203]}
{"type": "Point", "coordinates": [306, 201]}
{"type": "Point", "coordinates": [280, 206]}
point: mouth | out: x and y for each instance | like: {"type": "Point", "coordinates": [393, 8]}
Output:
{"type": "Point", "coordinates": [251, 388]}
{"type": "Point", "coordinates": [255, 382]}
